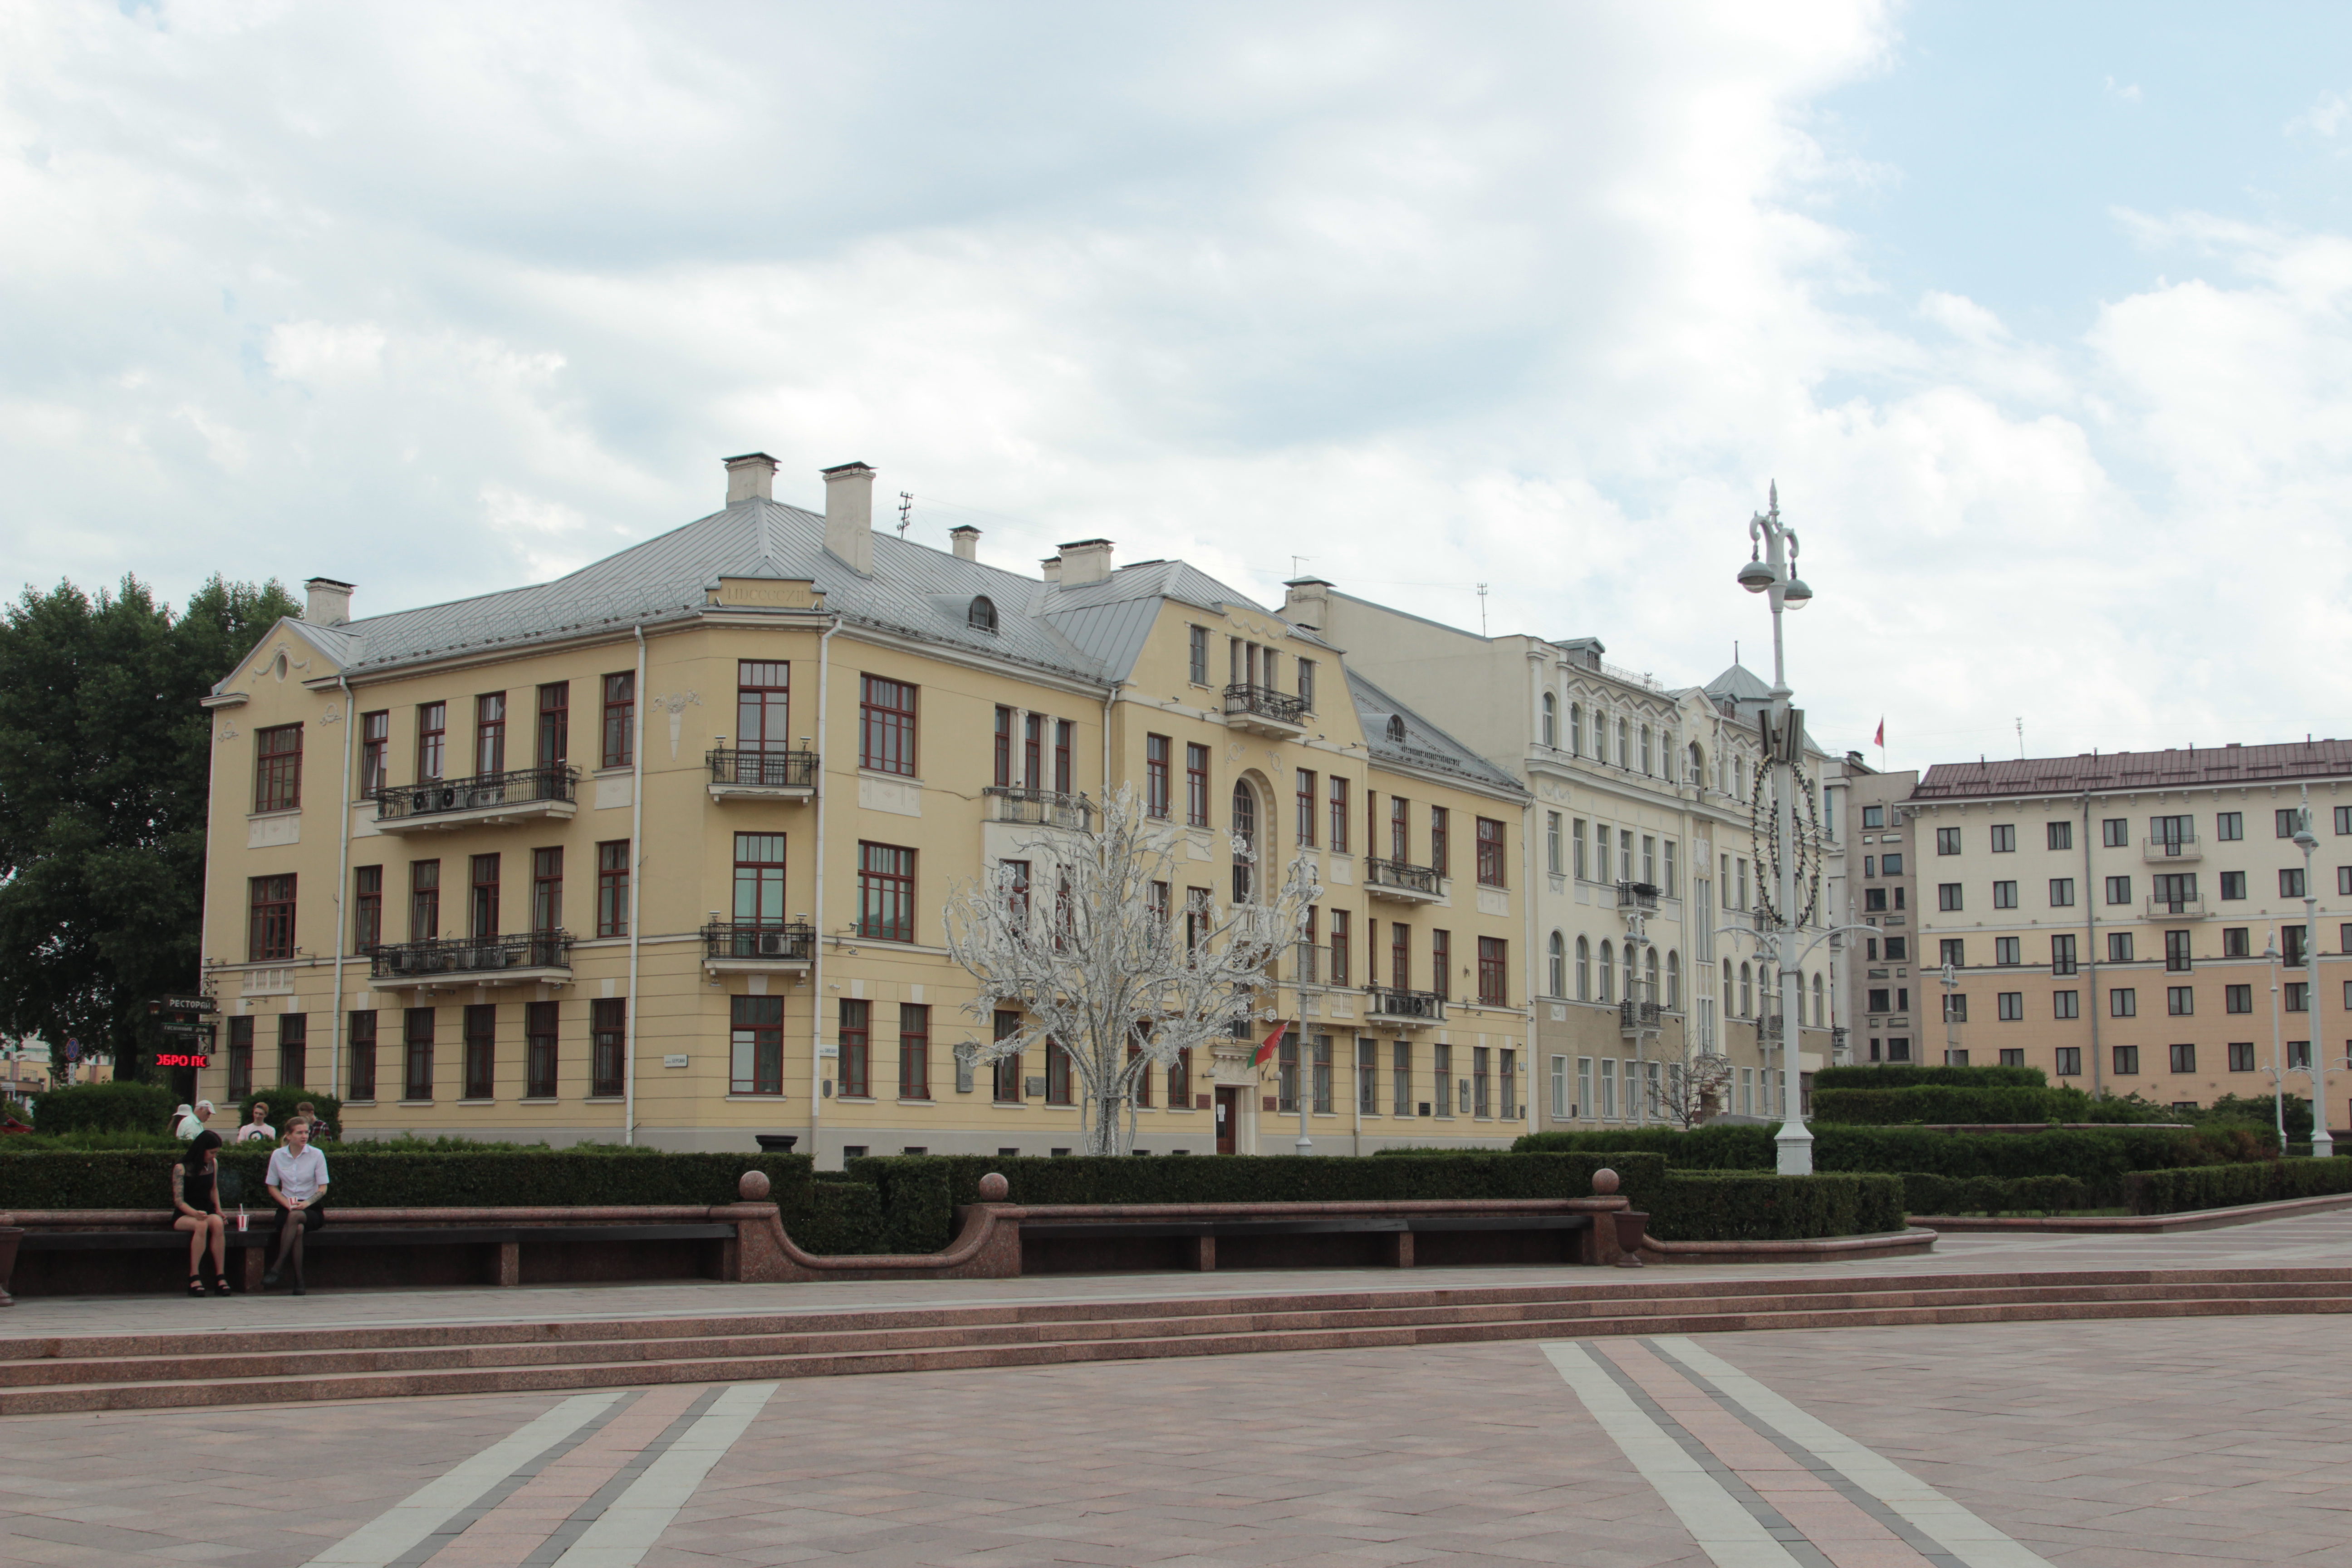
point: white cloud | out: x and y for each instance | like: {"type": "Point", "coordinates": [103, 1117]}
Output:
{"type": "Point", "coordinates": [2328, 114]}
{"type": "Point", "coordinates": [439, 298]}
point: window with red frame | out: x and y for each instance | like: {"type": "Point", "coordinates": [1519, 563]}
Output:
{"type": "Point", "coordinates": [885, 892]}
{"type": "Point", "coordinates": [539, 1048]}
{"type": "Point", "coordinates": [1156, 789]}
{"type": "Point", "coordinates": [1399, 830]}
{"type": "Point", "coordinates": [1196, 785]}
{"type": "Point", "coordinates": [1032, 753]}
{"type": "Point", "coordinates": [432, 738]}
{"type": "Point", "coordinates": [1306, 812]}
{"type": "Point", "coordinates": [555, 745]}
{"type": "Point", "coordinates": [362, 1052]}
{"type": "Point", "coordinates": [1441, 848]}
{"type": "Point", "coordinates": [620, 718]}
{"type": "Point", "coordinates": [608, 1035]}
{"type": "Point", "coordinates": [367, 908]}
{"type": "Point", "coordinates": [886, 727]}
{"type": "Point", "coordinates": [756, 1045]}
{"type": "Point", "coordinates": [482, 901]}
{"type": "Point", "coordinates": [240, 1058]}
{"type": "Point", "coordinates": [375, 764]}
{"type": "Point", "coordinates": [1401, 956]}
{"type": "Point", "coordinates": [1490, 852]}
{"type": "Point", "coordinates": [857, 1049]}
{"type": "Point", "coordinates": [1342, 947]}
{"type": "Point", "coordinates": [272, 935]}
{"type": "Point", "coordinates": [1003, 774]}
{"type": "Point", "coordinates": [1065, 739]}
{"type": "Point", "coordinates": [277, 768]}
{"type": "Point", "coordinates": [416, 1053]}
{"type": "Point", "coordinates": [613, 887]}
{"type": "Point", "coordinates": [1339, 816]}
{"type": "Point", "coordinates": [1441, 962]}
{"type": "Point", "coordinates": [481, 1051]}
{"type": "Point", "coordinates": [1493, 953]}
{"type": "Point", "coordinates": [914, 1052]}
{"type": "Point", "coordinates": [490, 732]}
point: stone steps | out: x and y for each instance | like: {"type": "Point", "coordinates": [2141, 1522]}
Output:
{"type": "Point", "coordinates": [154, 1371]}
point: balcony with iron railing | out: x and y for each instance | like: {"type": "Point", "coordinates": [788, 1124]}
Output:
{"type": "Point", "coordinates": [2171, 851]}
{"type": "Point", "coordinates": [1637, 1017]}
{"type": "Point", "coordinates": [2175, 909]}
{"type": "Point", "coordinates": [1400, 883]}
{"type": "Point", "coordinates": [521, 959]}
{"type": "Point", "coordinates": [746, 773]}
{"type": "Point", "coordinates": [1038, 807]}
{"type": "Point", "coordinates": [1641, 896]}
{"type": "Point", "coordinates": [756, 947]}
{"type": "Point", "coordinates": [520, 795]}
{"type": "Point", "coordinates": [1263, 710]}
{"type": "Point", "coordinates": [1413, 1009]}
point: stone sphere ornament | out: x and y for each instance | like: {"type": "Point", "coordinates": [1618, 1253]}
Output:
{"type": "Point", "coordinates": [1605, 1183]}
{"type": "Point", "coordinates": [753, 1186]}
{"type": "Point", "coordinates": [994, 1188]}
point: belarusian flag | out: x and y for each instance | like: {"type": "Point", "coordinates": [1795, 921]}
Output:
{"type": "Point", "coordinates": [1272, 1040]}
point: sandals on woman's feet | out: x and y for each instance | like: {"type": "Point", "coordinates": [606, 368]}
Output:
{"type": "Point", "coordinates": [196, 1285]}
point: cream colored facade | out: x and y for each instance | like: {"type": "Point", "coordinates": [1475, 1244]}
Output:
{"type": "Point", "coordinates": [1636, 785]}
{"type": "Point", "coordinates": [2106, 917]}
{"type": "Point", "coordinates": [688, 925]}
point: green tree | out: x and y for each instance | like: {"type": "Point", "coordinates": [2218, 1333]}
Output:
{"type": "Point", "coordinates": [105, 764]}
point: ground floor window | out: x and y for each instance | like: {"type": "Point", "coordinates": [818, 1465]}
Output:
{"type": "Point", "coordinates": [416, 1040]}
{"type": "Point", "coordinates": [857, 1049]}
{"type": "Point", "coordinates": [362, 1032]}
{"type": "Point", "coordinates": [481, 1051]}
{"type": "Point", "coordinates": [608, 1034]}
{"type": "Point", "coordinates": [240, 1058]}
{"type": "Point", "coordinates": [539, 1050]}
{"type": "Point", "coordinates": [755, 1048]}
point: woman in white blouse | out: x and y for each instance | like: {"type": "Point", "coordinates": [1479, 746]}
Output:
{"type": "Point", "coordinates": [296, 1182]}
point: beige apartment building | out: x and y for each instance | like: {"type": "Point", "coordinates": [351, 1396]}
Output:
{"type": "Point", "coordinates": [2105, 918]}
{"type": "Point", "coordinates": [1882, 970]}
{"type": "Point", "coordinates": [1639, 855]}
{"type": "Point", "coordinates": [659, 851]}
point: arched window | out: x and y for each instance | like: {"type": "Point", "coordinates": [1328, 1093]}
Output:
{"type": "Point", "coordinates": [1674, 983]}
{"type": "Point", "coordinates": [1646, 750]}
{"type": "Point", "coordinates": [1667, 755]}
{"type": "Point", "coordinates": [1625, 744]}
{"type": "Point", "coordinates": [1244, 839]}
{"type": "Point", "coordinates": [1396, 728]}
{"type": "Point", "coordinates": [1739, 777]}
{"type": "Point", "coordinates": [1747, 995]}
{"type": "Point", "coordinates": [1607, 972]}
{"type": "Point", "coordinates": [1551, 720]}
{"type": "Point", "coordinates": [1559, 964]}
{"type": "Point", "coordinates": [1583, 970]}
{"type": "Point", "coordinates": [1728, 1008]}
{"type": "Point", "coordinates": [981, 615]}
{"type": "Point", "coordinates": [1698, 764]}
{"type": "Point", "coordinates": [1650, 975]}
{"type": "Point", "coordinates": [1818, 1015]}
{"type": "Point", "coordinates": [1576, 729]}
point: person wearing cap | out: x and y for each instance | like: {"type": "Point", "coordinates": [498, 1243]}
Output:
{"type": "Point", "coordinates": [193, 1122]}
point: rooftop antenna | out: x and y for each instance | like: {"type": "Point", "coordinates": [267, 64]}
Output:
{"type": "Point", "coordinates": [2021, 736]}
{"type": "Point", "coordinates": [906, 510]}
{"type": "Point", "coordinates": [1298, 564]}
{"type": "Point", "coordinates": [1482, 609]}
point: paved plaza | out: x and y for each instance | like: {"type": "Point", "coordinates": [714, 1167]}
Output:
{"type": "Point", "coordinates": [2173, 1441]}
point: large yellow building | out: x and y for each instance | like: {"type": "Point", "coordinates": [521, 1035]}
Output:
{"type": "Point", "coordinates": [2105, 918]}
{"type": "Point", "coordinates": [659, 851]}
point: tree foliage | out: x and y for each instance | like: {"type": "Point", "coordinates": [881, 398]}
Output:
{"type": "Point", "coordinates": [105, 761]}
{"type": "Point", "coordinates": [1098, 965]}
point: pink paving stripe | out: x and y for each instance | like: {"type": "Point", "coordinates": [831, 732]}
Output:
{"type": "Point", "coordinates": [508, 1533]}
{"type": "Point", "coordinates": [1842, 1533]}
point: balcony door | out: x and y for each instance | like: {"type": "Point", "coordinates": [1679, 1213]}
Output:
{"type": "Point", "coordinates": [760, 878]}
{"type": "Point", "coordinates": [1245, 840]}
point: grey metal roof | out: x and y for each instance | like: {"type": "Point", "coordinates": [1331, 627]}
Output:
{"type": "Point", "coordinates": [2168, 769]}
{"type": "Point", "coordinates": [1424, 744]}
{"type": "Point", "coordinates": [1093, 632]}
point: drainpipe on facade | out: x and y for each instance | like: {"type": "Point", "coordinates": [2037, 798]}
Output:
{"type": "Point", "coordinates": [342, 884]}
{"type": "Point", "coordinates": [1531, 1062]}
{"type": "Point", "coordinates": [2091, 941]}
{"type": "Point", "coordinates": [816, 947]}
{"type": "Point", "coordinates": [636, 883]}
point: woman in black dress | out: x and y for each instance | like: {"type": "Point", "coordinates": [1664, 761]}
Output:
{"type": "Point", "coordinates": [195, 1204]}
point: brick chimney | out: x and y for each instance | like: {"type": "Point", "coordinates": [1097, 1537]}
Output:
{"type": "Point", "coordinates": [965, 541]}
{"type": "Point", "coordinates": [1087, 560]}
{"type": "Point", "coordinates": [849, 517]}
{"type": "Point", "coordinates": [750, 477]}
{"type": "Point", "coordinates": [330, 602]}
{"type": "Point", "coordinates": [1307, 602]}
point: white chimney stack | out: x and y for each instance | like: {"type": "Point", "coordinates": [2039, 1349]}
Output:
{"type": "Point", "coordinates": [1087, 560]}
{"type": "Point", "coordinates": [1307, 602]}
{"type": "Point", "coordinates": [966, 541]}
{"type": "Point", "coordinates": [1051, 567]}
{"type": "Point", "coordinates": [849, 516]}
{"type": "Point", "coordinates": [330, 602]}
{"type": "Point", "coordinates": [752, 477]}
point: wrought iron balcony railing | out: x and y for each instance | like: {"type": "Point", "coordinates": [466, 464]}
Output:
{"type": "Point", "coordinates": [743, 769]}
{"type": "Point", "coordinates": [435, 797]}
{"type": "Point", "coordinates": [1266, 702]}
{"type": "Point", "coordinates": [2171, 848]}
{"type": "Point", "coordinates": [1637, 896]}
{"type": "Point", "coordinates": [1636, 1015]}
{"type": "Point", "coordinates": [1044, 807]}
{"type": "Point", "coordinates": [476, 955]}
{"type": "Point", "coordinates": [751, 941]}
{"type": "Point", "coordinates": [1391, 1002]}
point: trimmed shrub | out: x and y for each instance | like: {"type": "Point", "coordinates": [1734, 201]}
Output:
{"type": "Point", "coordinates": [1948, 1103]}
{"type": "Point", "coordinates": [838, 1218]}
{"type": "Point", "coordinates": [1911, 1074]}
{"type": "Point", "coordinates": [552, 1178]}
{"type": "Point", "coordinates": [282, 1098]}
{"type": "Point", "coordinates": [1930, 1194]}
{"type": "Point", "coordinates": [105, 1107]}
{"type": "Point", "coordinates": [2228, 1186]}
{"type": "Point", "coordinates": [1751, 1206]}
{"type": "Point", "coordinates": [1728, 1147]}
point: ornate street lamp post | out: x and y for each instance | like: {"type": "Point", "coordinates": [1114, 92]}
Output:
{"type": "Point", "coordinates": [2322, 1146]}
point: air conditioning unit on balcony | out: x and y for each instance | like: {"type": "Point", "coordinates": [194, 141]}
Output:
{"type": "Point", "coordinates": [775, 944]}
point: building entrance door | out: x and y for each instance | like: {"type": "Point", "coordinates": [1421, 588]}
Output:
{"type": "Point", "coordinates": [1229, 1121]}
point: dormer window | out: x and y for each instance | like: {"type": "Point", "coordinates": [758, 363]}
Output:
{"type": "Point", "coordinates": [981, 617]}
{"type": "Point", "coordinates": [1396, 728]}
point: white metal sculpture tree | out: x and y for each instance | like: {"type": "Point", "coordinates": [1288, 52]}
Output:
{"type": "Point", "coordinates": [1090, 954]}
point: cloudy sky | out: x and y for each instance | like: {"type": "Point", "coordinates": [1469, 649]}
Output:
{"type": "Point", "coordinates": [2038, 314]}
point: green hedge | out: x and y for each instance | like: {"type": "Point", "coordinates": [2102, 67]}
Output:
{"type": "Point", "coordinates": [1749, 1205]}
{"type": "Point", "coordinates": [1911, 1074]}
{"type": "Point", "coordinates": [551, 1178]}
{"type": "Point", "coordinates": [2227, 1187]}
{"type": "Point", "coordinates": [1931, 1194]}
{"type": "Point", "coordinates": [1720, 1148]}
{"type": "Point", "coordinates": [838, 1218]}
{"type": "Point", "coordinates": [105, 1107]}
{"type": "Point", "coordinates": [1948, 1103]}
